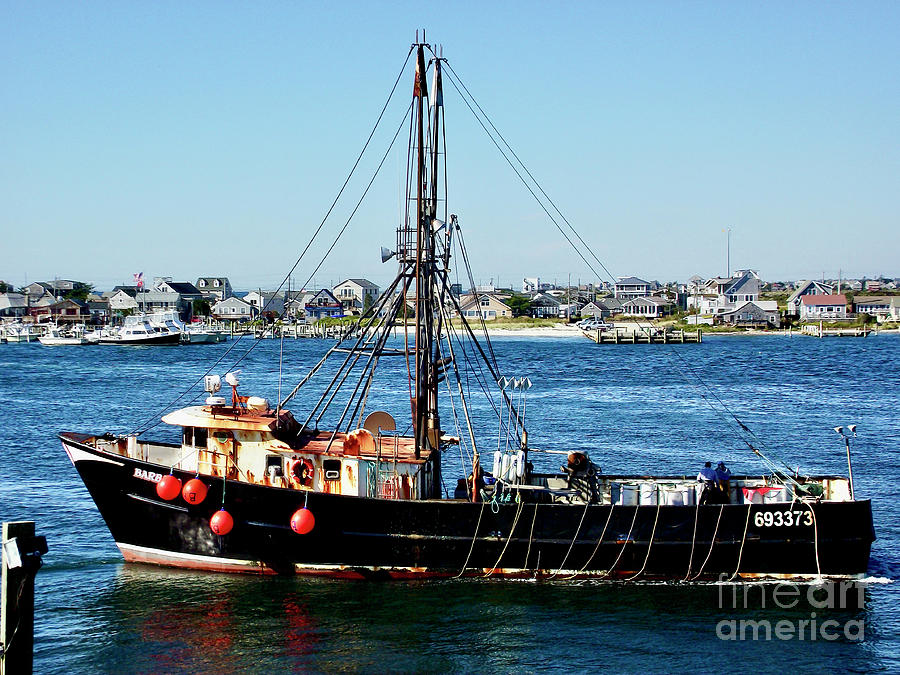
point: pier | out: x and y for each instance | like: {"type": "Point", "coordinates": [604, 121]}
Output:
{"type": "Point", "coordinates": [818, 331]}
{"type": "Point", "coordinates": [621, 336]}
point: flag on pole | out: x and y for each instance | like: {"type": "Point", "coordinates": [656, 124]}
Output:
{"type": "Point", "coordinates": [138, 280]}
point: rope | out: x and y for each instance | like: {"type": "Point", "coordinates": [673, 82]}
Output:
{"type": "Point", "coordinates": [693, 542]}
{"type": "Point", "coordinates": [531, 536]}
{"type": "Point", "coordinates": [472, 547]}
{"type": "Point", "coordinates": [815, 539]}
{"type": "Point", "coordinates": [587, 505]}
{"type": "Point", "coordinates": [597, 547]}
{"type": "Point", "coordinates": [712, 543]}
{"type": "Point", "coordinates": [649, 546]}
{"type": "Point", "coordinates": [508, 539]}
{"type": "Point", "coordinates": [624, 544]}
{"type": "Point", "coordinates": [743, 541]}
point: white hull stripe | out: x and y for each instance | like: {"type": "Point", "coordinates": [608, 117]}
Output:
{"type": "Point", "coordinates": [78, 455]}
{"type": "Point", "coordinates": [174, 557]}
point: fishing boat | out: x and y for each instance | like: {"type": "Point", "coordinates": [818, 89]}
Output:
{"type": "Point", "coordinates": [345, 490]}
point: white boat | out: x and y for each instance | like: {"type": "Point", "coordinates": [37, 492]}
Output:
{"type": "Point", "coordinates": [55, 336]}
{"type": "Point", "coordinates": [138, 330]}
{"type": "Point", "coordinates": [203, 334]}
{"type": "Point", "coordinates": [20, 332]}
{"type": "Point", "coordinates": [167, 321]}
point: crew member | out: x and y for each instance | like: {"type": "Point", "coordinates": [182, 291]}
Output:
{"type": "Point", "coordinates": [708, 477]}
{"type": "Point", "coordinates": [723, 476]}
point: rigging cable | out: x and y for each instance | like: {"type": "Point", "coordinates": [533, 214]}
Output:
{"type": "Point", "coordinates": [155, 418]}
{"type": "Point", "coordinates": [453, 80]}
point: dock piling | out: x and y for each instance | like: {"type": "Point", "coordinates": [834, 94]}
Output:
{"type": "Point", "coordinates": [21, 559]}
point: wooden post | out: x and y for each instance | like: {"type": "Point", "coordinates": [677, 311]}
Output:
{"type": "Point", "coordinates": [699, 336]}
{"type": "Point", "coordinates": [17, 601]}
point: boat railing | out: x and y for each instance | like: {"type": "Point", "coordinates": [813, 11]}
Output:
{"type": "Point", "coordinates": [387, 484]}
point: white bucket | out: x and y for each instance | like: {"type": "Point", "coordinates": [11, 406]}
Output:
{"type": "Point", "coordinates": [678, 496]}
{"type": "Point", "coordinates": [648, 493]}
{"type": "Point", "coordinates": [628, 495]}
{"type": "Point", "coordinates": [776, 496]}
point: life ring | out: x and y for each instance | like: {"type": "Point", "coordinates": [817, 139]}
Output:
{"type": "Point", "coordinates": [302, 471]}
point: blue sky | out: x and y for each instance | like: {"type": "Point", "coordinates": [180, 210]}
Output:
{"type": "Point", "coordinates": [191, 138]}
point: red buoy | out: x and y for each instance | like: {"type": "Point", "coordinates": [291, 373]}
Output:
{"type": "Point", "coordinates": [169, 487]}
{"type": "Point", "coordinates": [303, 521]}
{"type": "Point", "coordinates": [194, 491]}
{"type": "Point", "coordinates": [221, 522]}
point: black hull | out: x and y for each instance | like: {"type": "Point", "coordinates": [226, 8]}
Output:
{"type": "Point", "coordinates": [356, 537]}
{"type": "Point", "coordinates": [167, 339]}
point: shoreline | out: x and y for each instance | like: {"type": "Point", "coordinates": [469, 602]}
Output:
{"type": "Point", "coordinates": [561, 331]}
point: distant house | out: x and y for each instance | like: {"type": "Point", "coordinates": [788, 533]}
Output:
{"type": "Point", "coordinates": [122, 300]}
{"type": "Point", "coordinates": [592, 309]}
{"type": "Point", "coordinates": [873, 285]}
{"type": "Point", "coordinates": [759, 314]}
{"type": "Point", "coordinates": [184, 288]}
{"type": "Point", "coordinates": [99, 310]}
{"type": "Point", "coordinates": [544, 305]}
{"type": "Point", "coordinates": [214, 288]}
{"type": "Point", "coordinates": [39, 292]}
{"type": "Point", "coordinates": [267, 303]}
{"type": "Point", "coordinates": [878, 306]}
{"type": "Point", "coordinates": [485, 305]}
{"type": "Point", "coordinates": [631, 287]}
{"type": "Point", "coordinates": [531, 284]}
{"type": "Point", "coordinates": [854, 285]}
{"type": "Point", "coordinates": [651, 307]}
{"type": "Point", "coordinates": [806, 288]}
{"type": "Point", "coordinates": [815, 307]}
{"type": "Point", "coordinates": [40, 306]}
{"type": "Point", "coordinates": [895, 308]}
{"type": "Point", "coordinates": [233, 309]}
{"type": "Point", "coordinates": [322, 304]}
{"type": "Point", "coordinates": [70, 311]}
{"type": "Point", "coordinates": [744, 287]}
{"type": "Point", "coordinates": [13, 305]}
{"type": "Point", "coordinates": [154, 301]}
{"type": "Point", "coordinates": [356, 294]}
{"type": "Point", "coordinates": [602, 308]}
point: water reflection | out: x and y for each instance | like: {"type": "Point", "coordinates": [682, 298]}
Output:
{"type": "Point", "coordinates": [172, 621]}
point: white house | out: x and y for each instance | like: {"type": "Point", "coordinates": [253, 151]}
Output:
{"type": "Point", "coordinates": [806, 288]}
{"type": "Point", "coordinates": [650, 307]}
{"type": "Point", "coordinates": [631, 287]}
{"type": "Point", "coordinates": [356, 294]}
{"type": "Point", "coordinates": [233, 309]}
{"type": "Point", "coordinates": [122, 300]}
{"type": "Point", "coordinates": [878, 306]}
{"type": "Point", "coordinates": [269, 302]}
{"type": "Point", "coordinates": [815, 307]}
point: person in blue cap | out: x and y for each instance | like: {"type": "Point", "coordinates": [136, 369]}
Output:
{"type": "Point", "coordinates": [723, 476]}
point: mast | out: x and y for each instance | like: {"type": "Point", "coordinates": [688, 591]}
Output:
{"type": "Point", "coordinates": [424, 408]}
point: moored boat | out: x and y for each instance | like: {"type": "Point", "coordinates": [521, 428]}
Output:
{"type": "Point", "coordinates": [252, 488]}
{"type": "Point", "coordinates": [138, 330]}
{"type": "Point", "coordinates": [76, 336]}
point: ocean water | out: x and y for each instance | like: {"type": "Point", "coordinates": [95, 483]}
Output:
{"type": "Point", "coordinates": [635, 408]}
